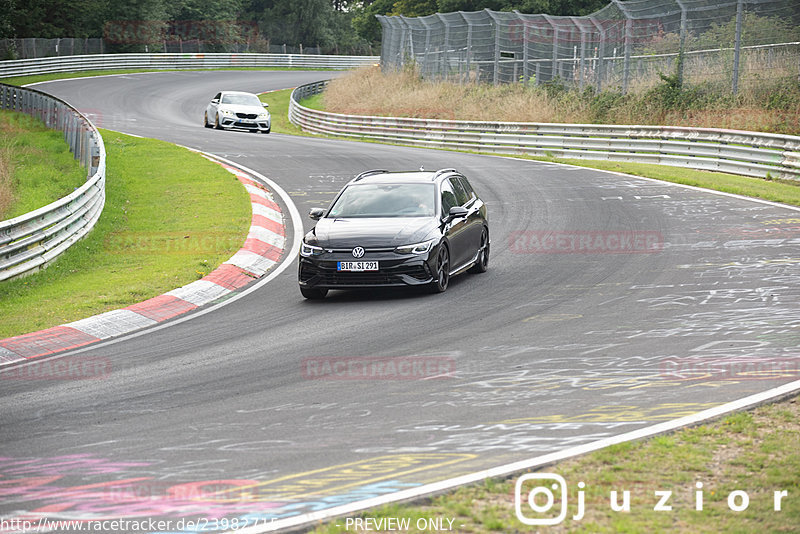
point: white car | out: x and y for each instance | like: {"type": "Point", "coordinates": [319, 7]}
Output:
{"type": "Point", "coordinates": [236, 109]}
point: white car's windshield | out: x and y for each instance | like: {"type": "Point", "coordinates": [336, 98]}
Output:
{"type": "Point", "coordinates": [386, 200]}
{"type": "Point", "coordinates": [241, 100]}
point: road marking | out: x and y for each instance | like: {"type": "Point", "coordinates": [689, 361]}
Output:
{"type": "Point", "coordinates": [524, 465]}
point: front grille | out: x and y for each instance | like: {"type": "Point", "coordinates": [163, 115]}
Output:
{"type": "Point", "coordinates": [336, 278]}
{"type": "Point", "coordinates": [247, 115]}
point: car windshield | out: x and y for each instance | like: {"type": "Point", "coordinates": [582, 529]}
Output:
{"type": "Point", "coordinates": [386, 200]}
{"type": "Point", "coordinates": [241, 100]}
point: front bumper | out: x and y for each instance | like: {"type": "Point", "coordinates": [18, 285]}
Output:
{"type": "Point", "coordinates": [394, 270]}
{"type": "Point", "coordinates": [262, 125]}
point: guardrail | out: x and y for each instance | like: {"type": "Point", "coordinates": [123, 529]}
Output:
{"type": "Point", "coordinates": [33, 240]}
{"type": "Point", "coordinates": [23, 67]}
{"type": "Point", "coordinates": [754, 154]}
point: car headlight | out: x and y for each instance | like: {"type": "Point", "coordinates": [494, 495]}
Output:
{"type": "Point", "coordinates": [226, 112]}
{"type": "Point", "coordinates": [263, 115]}
{"type": "Point", "coordinates": [416, 248]}
{"type": "Point", "coordinates": [310, 250]}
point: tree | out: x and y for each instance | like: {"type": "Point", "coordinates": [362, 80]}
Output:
{"type": "Point", "coordinates": [6, 26]}
{"type": "Point", "coordinates": [415, 8]}
{"type": "Point", "coordinates": [55, 18]}
{"type": "Point", "coordinates": [136, 25]}
{"type": "Point", "coordinates": [216, 24]}
{"type": "Point", "coordinates": [295, 22]}
{"type": "Point", "coordinates": [366, 25]}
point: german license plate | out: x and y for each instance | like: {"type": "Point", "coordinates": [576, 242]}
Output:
{"type": "Point", "coordinates": [356, 266]}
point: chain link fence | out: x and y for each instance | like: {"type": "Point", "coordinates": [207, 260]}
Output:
{"type": "Point", "coordinates": [625, 45]}
{"type": "Point", "coordinates": [32, 48]}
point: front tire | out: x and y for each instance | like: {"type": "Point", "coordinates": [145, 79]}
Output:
{"type": "Point", "coordinates": [313, 293]}
{"type": "Point", "coordinates": [442, 271]}
{"type": "Point", "coordinates": [205, 120]}
{"type": "Point", "coordinates": [482, 263]}
{"type": "Point", "coordinates": [216, 122]}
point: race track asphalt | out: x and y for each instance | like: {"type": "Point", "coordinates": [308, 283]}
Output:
{"type": "Point", "coordinates": [548, 349]}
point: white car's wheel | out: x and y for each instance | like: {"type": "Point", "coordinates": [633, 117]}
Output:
{"type": "Point", "coordinates": [205, 120]}
{"type": "Point", "coordinates": [216, 122]}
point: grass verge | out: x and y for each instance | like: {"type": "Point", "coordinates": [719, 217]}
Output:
{"type": "Point", "coordinates": [753, 452]}
{"type": "Point", "coordinates": [36, 166]}
{"type": "Point", "coordinates": [170, 218]}
{"type": "Point", "coordinates": [279, 110]}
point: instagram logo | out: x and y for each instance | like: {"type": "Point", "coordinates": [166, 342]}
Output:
{"type": "Point", "coordinates": [535, 496]}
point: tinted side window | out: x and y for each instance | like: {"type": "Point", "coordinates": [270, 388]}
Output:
{"type": "Point", "coordinates": [448, 198]}
{"type": "Point", "coordinates": [461, 195]}
{"type": "Point", "coordinates": [467, 187]}
{"type": "Point", "coordinates": [217, 97]}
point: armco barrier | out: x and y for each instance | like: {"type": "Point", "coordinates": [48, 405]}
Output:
{"type": "Point", "coordinates": [23, 67]}
{"type": "Point", "coordinates": [31, 241]}
{"type": "Point", "coordinates": [731, 151]}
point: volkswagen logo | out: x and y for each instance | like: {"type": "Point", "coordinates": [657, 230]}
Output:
{"type": "Point", "coordinates": [358, 252]}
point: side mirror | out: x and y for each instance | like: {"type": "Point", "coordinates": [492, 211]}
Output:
{"type": "Point", "coordinates": [456, 212]}
{"type": "Point", "coordinates": [265, 104]}
{"type": "Point", "coordinates": [316, 213]}
{"type": "Point", "coordinates": [215, 101]}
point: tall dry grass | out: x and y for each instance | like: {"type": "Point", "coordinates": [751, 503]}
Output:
{"type": "Point", "coordinates": [369, 92]}
{"type": "Point", "coordinates": [770, 106]}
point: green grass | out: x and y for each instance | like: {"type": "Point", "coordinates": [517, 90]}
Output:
{"type": "Point", "coordinates": [38, 167]}
{"type": "Point", "coordinates": [25, 80]}
{"type": "Point", "coordinates": [279, 110]}
{"type": "Point", "coordinates": [314, 102]}
{"type": "Point", "coordinates": [170, 217]}
{"type": "Point", "coordinates": [755, 452]}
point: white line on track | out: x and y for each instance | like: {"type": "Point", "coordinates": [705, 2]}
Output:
{"type": "Point", "coordinates": [523, 465]}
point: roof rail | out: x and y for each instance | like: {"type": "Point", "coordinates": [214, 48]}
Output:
{"type": "Point", "coordinates": [369, 173]}
{"type": "Point", "coordinates": [442, 171]}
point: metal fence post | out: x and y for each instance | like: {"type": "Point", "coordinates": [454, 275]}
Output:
{"type": "Point", "coordinates": [446, 48]}
{"type": "Point", "coordinates": [426, 65]}
{"type": "Point", "coordinates": [626, 66]}
{"type": "Point", "coordinates": [583, 52]}
{"type": "Point", "coordinates": [469, 45]}
{"type": "Point", "coordinates": [599, 71]}
{"type": "Point", "coordinates": [682, 45]}
{"type": "Point", "coordinates": [526, 74]}
{"type": "Point", "coordinates": [496, 26]}
{"type": "Point", "coordinates": [737, 46]}
{"type": "Point", "coordinates": [554, 67]}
